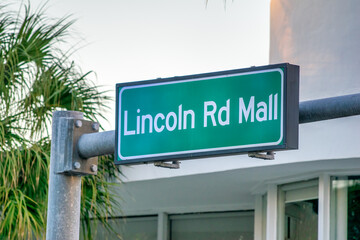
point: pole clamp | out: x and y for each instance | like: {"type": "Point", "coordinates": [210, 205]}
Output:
{"type": "Point", "coordinates": [70, 162]}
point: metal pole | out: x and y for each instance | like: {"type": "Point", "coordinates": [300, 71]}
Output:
{"type": "Point", "coordinates": [63, 216]}
{"type": "Point", "coordinates": [329, 108]}
{"type": "Point", "coordinates": [95, 144]}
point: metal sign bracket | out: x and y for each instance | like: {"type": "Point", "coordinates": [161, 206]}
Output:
{"type": "Point", "coordinates": [71, 162]}
{"type": "Point", "coordinates": [270, 155]}
{"type": "Point", "coordinates": [173, 165]}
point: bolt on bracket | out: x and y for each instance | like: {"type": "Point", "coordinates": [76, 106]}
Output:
{"type": "Point", "coordinates": [71, 163]}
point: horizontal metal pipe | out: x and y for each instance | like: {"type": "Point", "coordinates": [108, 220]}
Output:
{"type": "Point", "coordinates": [103, 143]}
{"type": "Point", "coordinates": [96, 144]}
{"type": "Point", "coordinates": [329, 108]}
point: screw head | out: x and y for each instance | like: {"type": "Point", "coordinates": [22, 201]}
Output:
{"type": "Point", "coordinates": [95, 126]}
{"type": "Point", "coordinates": [93, 168]}
{"type": "Point", "coordinates": [77, 165]}
{"type": "Point", "coordinates": [78, 123]}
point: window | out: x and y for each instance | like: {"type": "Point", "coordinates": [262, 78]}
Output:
{"type": "Point", "coordinates": [213, 226]}
{"type": "Point", "coordinates": [298, 210]}
{"type": "Point", "coordinates": [345, 208]}
{"type": "Point", "coordinates": [134, 228]}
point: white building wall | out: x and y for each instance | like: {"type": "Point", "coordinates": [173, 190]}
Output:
{"type": "Point", "coordinates": [322, 36]}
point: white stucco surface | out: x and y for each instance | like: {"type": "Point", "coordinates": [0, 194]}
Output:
{"type": "Point", "coordinates": [322, 37]}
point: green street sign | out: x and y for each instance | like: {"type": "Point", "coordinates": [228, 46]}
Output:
{"type": "Point", "coordinates": [229, 112]}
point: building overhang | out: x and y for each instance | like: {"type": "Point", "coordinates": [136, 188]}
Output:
{"type": "Point", "coordinates": [221, 191]}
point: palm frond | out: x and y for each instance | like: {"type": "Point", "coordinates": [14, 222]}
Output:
{"type": "Point", "coordinates": [37, 78]}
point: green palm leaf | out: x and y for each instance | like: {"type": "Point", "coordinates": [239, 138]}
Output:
{"type": "Point", "coordinates": [36, 79]}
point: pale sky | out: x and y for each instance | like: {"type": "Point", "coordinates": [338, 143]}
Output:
{"type": "Point", "coordinates": [133, 40]}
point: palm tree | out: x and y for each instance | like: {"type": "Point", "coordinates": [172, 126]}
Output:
{"type": "Point", "coordinates": [37, 78]}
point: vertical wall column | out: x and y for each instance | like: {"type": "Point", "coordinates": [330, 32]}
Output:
{"type": "Point", "coordinates": [272, 213]}
{"type": "Point", "coordinates": [342, 211]}
{"type": "Point", "coordinates": [259, 218]}
{"type": "Point", "coordinates": [324, 207]}
{"type": "Point", "coordinates": [339, 208]}
{"type": "Point", "coordinates": [163, 226]}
